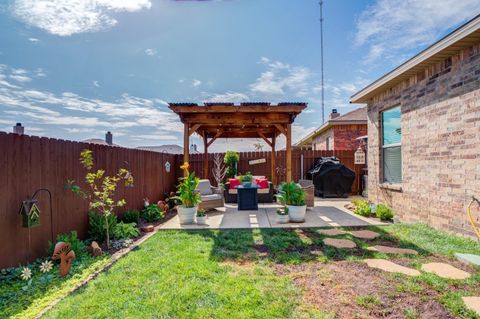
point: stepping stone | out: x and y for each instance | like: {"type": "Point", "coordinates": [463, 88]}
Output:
{"type": "Point", "coordinates": [392, 250]}
{"type": "Point", "coordinates": [365, 234]}
{"type": "Point", "coordinates": [389, 266]}
{"type": "Point", "coordinates": [445, 271]}
{"type": "Point", "coordinates": [469, 258]}
{"type": "Point", "coordinates": [339, 243]}
{"type": "Point", "coordinates": [331, 232]}
{"type": "Point", "coordinates": [472, 303]}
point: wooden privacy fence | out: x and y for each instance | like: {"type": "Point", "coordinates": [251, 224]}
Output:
{"type": "Point", "coordinates": [308, 158]}
{"type": "Point", "coordinates": [28, 163]}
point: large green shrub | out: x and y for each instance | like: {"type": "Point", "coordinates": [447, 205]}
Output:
{"type": "Point", "coordinates": [291, 194]}
{"type": "Point", "coordinates": [97, 225]}
{"type": "Point", "coordinates": [75, 243]}
{"type": "Point", "coordinates": [131, 216]}
{"type": "Point", "coordinates": [363, 208]}
{"type": "Point", "coordinates": [125, 230]}
{"type": "Point", "coordinates": [152, 213]}
{"type": "Point", "coordinates": [383, 212]}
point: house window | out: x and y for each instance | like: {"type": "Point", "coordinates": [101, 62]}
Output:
{"type": "Point", "coordinates": [392, 145]}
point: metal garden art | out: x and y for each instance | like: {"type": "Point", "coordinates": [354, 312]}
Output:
{"type": "Point", "coordinates": [66, 255]}
{"type": "Point", "coordinates": [101, 189]}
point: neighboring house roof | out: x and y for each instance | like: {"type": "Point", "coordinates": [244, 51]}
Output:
{"type": "Point", "coordinates": [99, 141]}
{"type": "Point", "coordinates": [357, 116]}
{"type": "Point", "coordinates": [463, 37]}
{"type": "Point", "coordinates": [168, 148]}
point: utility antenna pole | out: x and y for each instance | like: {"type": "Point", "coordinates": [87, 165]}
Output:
{"type": "Point", "coordinates": [321, 59]}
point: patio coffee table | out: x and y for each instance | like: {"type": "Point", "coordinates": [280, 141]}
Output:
{"type": "Point", "coordinates": [247, 197]}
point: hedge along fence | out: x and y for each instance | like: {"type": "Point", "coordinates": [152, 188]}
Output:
{"type": "Point", "coordinates": [264, 169]}
{"type": "Point", "coordinates": [28, 163]}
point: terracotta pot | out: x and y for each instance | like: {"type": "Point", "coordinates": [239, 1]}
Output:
{"type": "Point", "coordinates": [202, 220]}
{"type": "Point", "coordinates": [282, 219]}
{"type": "Point", "coordinates": [186, 215]}
{"type": "Point", "coordinates": [297, 213]}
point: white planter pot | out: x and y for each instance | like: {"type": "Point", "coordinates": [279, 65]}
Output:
{"type": "Point", "coordinates": [186, 215]}
{"type": "Point", "coordinates": [282, 219]}
{"type": "Point", "coordinates": [297, 213]}
{"type": "Point", "coordinates": [202, 220]}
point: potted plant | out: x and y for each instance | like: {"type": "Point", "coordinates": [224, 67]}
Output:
{"type": "Point", "coordinates": [292, 196]}
{"type": "Point", "coordinates": [282, 215]}
{"type": "Point", "coordinates": [246, 179]}
{"type": "Point", "coordinates": [201, 217]}
{"type": "Point", "coordinates": [188, 196]}
{"type": "Point", "coordinates": [231, 159]}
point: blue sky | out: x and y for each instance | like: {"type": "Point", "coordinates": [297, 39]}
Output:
{"type": "Point", "coordinates": [74, 69]}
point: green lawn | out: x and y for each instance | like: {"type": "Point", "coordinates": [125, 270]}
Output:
{"type": "Point", "coordinates": [272, 273]}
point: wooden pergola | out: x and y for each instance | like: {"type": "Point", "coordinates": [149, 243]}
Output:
{"type": "Point", "coordinates": [247, 120]}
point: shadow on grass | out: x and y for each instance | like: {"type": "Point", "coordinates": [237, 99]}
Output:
{"type": "Point", "coordinates": [295, 246]}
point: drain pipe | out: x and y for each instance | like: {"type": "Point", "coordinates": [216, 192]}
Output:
{"type": "Point", "coordinates": [301, 166]}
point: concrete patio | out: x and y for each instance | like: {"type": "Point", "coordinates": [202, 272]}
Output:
{"type": "Point", "coordinates": [326, 213]}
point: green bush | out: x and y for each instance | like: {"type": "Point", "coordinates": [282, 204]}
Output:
{"type": "Point", "coordinates": [97, 230]}
{"type": "Point", "coordinates": [363, 209]}
{"type": "Point", "coordinates": [76, 244]}
{"type": "Point", "coordinates": [231, 172]}
{"type": "Point", "coordinates": [131, 216]}
{"type": "Point", "coordinates": [125, 230]}
{"type": "Point", "coordinates": [291, 194]}
{"type": "Point", "coordinates": [231, 158]}
{"type": "Point", "coordinates": [359, 201]}
{"type": "Point", "coordinates": [152, 213]}
{"type": "Point", "coordinates": [384, 212]}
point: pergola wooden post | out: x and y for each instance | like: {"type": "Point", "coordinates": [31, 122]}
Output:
{"type": "Point", "coordinates": [247, 120]}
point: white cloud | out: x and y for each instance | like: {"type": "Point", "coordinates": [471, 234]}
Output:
{"type": "Point", "coordinates": [389, 28]}
{"type": "Point", "coordinates": [33, 39]}
{"type": "Point", "coordinates": [20, 78]}
{"type": "Point", "coordinates": [67, 17]}
{"type": "Point", "coordinates": [96, 84]}
{"type": "Point", "coordinates": [150, 52]}
{"type": "Point", "coordinates": [196, 82]}
{"type": "Point", "coordinates": [232, 97]}
{"type": "Point", "coordinates": [280, 78]}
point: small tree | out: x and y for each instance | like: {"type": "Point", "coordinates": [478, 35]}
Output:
{"type": "Point", "coordinates": [101, 189]}
{"type": "Point", "coordinates": [231, 159]}
{"type": "Point", "coordinates": [218, 170]}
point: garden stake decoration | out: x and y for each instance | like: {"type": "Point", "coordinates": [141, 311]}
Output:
{"type": "Point", "coordinates": [62, 251]}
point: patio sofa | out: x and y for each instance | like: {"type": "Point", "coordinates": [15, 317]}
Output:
{"type": "Point", "coordinates": [212, 197]}
{"type": "Point", "coordinates": [265, 195]}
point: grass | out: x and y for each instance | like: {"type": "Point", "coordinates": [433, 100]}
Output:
{"type": "Point", "coordinates": [254, 274]}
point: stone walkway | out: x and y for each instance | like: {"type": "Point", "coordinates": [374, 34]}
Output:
{"type": "Point", "coordinates": [326, 213]}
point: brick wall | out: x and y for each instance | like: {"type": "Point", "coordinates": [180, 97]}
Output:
{"type": "Point", "coordinates": [440, 143]}
{"type": "Point", "coordinates": [345, 136]}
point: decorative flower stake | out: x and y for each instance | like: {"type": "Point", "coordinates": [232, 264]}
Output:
{"type": "Point", "coordinates": [46, 266]}
{"type": "Point", "coordinates": [26, 273]}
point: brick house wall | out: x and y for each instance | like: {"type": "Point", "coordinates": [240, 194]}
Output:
{"type": "Point", "coordinates": [440, 116]}
{"type": "Point", "coordinates": [320, 141]}
{"type": "Point", "coordinates": [345, 136]}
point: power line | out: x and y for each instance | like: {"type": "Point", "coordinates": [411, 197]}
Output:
{"type": "Point", "coordinates": [321, 59]}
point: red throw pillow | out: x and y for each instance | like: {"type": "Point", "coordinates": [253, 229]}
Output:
{"type": "Point", "coordinates": [234, 182]}
{"type": "Point", "coordinates": [262, 182]}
